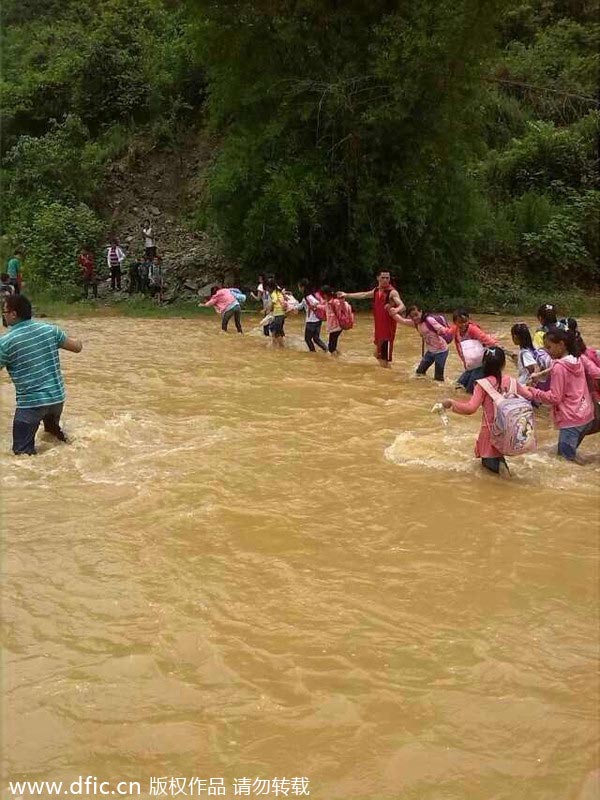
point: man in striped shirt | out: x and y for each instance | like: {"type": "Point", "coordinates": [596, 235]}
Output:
{"type": "Point", "coordinates": [29, 351]}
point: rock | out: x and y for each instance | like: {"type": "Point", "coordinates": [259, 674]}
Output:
{"type": "Point", "coordinates": [155, 211]}
{"type": "Point", "coordinates": [204, 291]}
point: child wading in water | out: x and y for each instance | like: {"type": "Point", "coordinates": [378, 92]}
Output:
{"type": "Point", "coordinates": [529, 360]}
{"type": "Point", "coordinates": [432, 332]}
{"type": "Point", "coordinates": [313, 305]}
{"type": "Point", "coordinates": [227, 305]}
{"type": "Point", "coordinates": [332, 307]}
{"type": "Point", "coordinates": [470, 341]}
{"type": "Point", "coordinates": [569, 393]}
{"type": "Point", "coordinates": [546, 315]}
{"type": "Point", "coordinates": [276, 307]}
{"type": "Point", "coordinates": [494, 361]}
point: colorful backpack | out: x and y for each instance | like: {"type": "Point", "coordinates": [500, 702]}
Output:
{"type": "Point", "coordinates": [239, 296]}
{"type": "Point", "coordinates": [290, 304]}
{"type": "Point", "coordinates": [542, 358]}
{"type": "Point", "coordinates": [441, 320]}
{"type": "Point", "coordinates": [344, 314]}
{"type": "Point", "coordinates": [513, 431]}
{"type": "Point", "coordinates": [320, 310]}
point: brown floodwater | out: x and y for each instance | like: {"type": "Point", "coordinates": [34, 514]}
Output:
{"type": "Point", "coordinates": [263, 564]}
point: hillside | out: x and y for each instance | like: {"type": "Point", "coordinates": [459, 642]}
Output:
{"type": "Point", "coordinates": [166, 185]}
{"type": "Point", "coordinates": [453, 143]}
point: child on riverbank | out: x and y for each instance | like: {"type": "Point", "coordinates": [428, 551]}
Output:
{"type": "Point", "coordinates": [432, 332]}
{"type": "Point", "coordinates": [569, 393]}
{"type": "Point", "coordinates": [494, 361]}
{"type": "Point", "coordinates": [470, 341]}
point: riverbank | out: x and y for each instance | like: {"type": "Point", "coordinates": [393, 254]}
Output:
{"type": "Point", "coordinates": [573, 303]}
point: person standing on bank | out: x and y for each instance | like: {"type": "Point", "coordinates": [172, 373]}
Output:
{"type": "Point", "coordinates": [29, 351]}
{"type": "Point", "coordinates": [149, 244]}
{"type": "Point", "coordinates": [13, 269]}
{"type": "Point", "coordinates": [115, 257]}
{"type": "Point", "coordinates": [385, 297]}
{"type": "Point", "coordinates": [88, 273]}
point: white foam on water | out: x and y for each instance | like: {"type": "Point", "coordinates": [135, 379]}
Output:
{"type": "Point", "coordinates": [448, 451]}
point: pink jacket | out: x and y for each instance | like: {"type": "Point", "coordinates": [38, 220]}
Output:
{"type": "Point", "coordinates": [569, 394]}
{"type": "Point", "coordinates": [222, 300]}
{"type": "Point", "coordinates": [592, 355]}
{"type": "Point", "coordinates": [483, 446]}
{"type": "Point", "coordinates": [430, 333]}
{"type": "Point", "coordinates": [473, 332]}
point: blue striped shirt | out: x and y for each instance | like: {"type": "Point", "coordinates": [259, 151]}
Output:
{"type": "Point", "coordinates": [29, 351]}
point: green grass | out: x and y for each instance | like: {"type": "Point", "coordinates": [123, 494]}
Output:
{"type": "Point", "coordinates": [525, 302]}
{"type": "Point", "coordinates": [48, 305]}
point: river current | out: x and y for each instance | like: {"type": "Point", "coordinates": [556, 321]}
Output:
{"type": "Point", "coordinates": [263, 564]}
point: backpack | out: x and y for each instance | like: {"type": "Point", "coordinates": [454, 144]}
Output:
{"type": "Point", "coordinates": [512, 432]}
{"type": "Point", "coordinates": [345, 315]}
{"type": "Point", "coordinates": [320, 312]}
{"type": "Point", "coordinates": [441, 319]}
{"type": "Point", "coordinates": [542, 358]}
{"type": "Point", "coordinates": [289, 303]}
{"type": "Point", "coordinates": [239, 296]}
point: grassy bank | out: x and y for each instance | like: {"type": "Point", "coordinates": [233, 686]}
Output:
{"type": "Point", "coordinates": [569, 303]}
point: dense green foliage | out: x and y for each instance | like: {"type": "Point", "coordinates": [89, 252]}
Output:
{"type": "Point", "coordinates": [453, 142]}
{"type": "Point", "coordinates": [79, 79]}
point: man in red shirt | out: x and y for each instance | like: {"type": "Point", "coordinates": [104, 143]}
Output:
{"type": "Point", "coordinates": [385, 327]}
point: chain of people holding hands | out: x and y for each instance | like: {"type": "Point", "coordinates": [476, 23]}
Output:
{"type": "Point", "coordinates": [555, 366]}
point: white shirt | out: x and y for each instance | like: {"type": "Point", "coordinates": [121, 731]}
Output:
{"type": "Point", "coordinates": [526, 359]}
{"type": "Point", "coordinates": [308, 303]}
{"type": "Point", "coordinates": [119, 252]}
{"type": "Point", "coordinates": [148, 240]}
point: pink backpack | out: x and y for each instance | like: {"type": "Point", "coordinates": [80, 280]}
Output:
{"type": "Point", "coordinates": [513, 431]}
{"type": "Point", "coordinates": [344, 314]}
{"type": "Point", "coordinates": [320, 312]}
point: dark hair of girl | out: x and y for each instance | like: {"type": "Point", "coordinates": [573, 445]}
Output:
{"type": "Point", "coordinates": [573, 328]}
{"type": "Point", "coordinates": [415, 308]}
{"type": "Point", "coordinates": [305, 287]}
{"type": "Point", "coordinates": [494, 361]}
{"type": "Point", "coordinates": [522, 334]}
{"type": "Point", "coordinates": [327, 290]}
{"type": "Point", "coordinates": [460, 314]}
{"type": "Point", "coordinates": [567, 337]}
{"type": "Point", "coordinates": [546, 314]}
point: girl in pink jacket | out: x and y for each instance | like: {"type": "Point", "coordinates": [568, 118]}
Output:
{"type": "Point", "coordinates": [569, 394]}
{"type": "Point", "coordinates": [435, 347]}
{"type": "Point", "coordinates": [494, 361]}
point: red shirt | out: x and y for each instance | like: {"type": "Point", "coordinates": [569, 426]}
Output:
{"type": "Point", "coordinates": [86, 262]}
{"type": "Point", "coordinates": [385, 326]}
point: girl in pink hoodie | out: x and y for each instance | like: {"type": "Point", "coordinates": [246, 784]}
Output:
{"type": "Point", "coordinates": [494, 361]}
{"type": "Point", "coordinates": [435, 346]}
{"type": "Point", "coordinates": [569, 394]}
